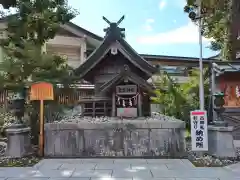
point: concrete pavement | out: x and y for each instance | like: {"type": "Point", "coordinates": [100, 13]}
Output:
{"type": "Point", "coordinates": [117, 169]}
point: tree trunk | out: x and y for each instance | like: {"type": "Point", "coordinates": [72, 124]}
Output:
{"type": "Point", "coordinates": [232, 31]}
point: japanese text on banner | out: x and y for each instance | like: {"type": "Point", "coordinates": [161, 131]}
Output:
{"type": "Point", "coordinates": [199, 131]}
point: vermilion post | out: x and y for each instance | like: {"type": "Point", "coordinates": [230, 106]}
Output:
{"type": "Point", "coordinates": [41, 91]}
{"type": "Point", "coordinates": [41, 134]}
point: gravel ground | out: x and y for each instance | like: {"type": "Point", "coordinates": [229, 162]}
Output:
{"type": "Point", "coordinates": [19, 162]}
{"type": "Point", "coordinates": [207, 160]}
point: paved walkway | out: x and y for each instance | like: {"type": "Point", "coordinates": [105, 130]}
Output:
{"type": "Point", "coordinates": [117, 169]}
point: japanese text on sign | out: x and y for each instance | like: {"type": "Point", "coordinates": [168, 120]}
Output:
{"type": "Point", "coordinates": [199, 131]}
{"type": "Point", "coordinates": [41, 91]}
{"type": "Point", "coordinates": [126, 90]}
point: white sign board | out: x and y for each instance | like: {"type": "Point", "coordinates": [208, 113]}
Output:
{"type": "Point", "coordinates": [127, 112]}
{"type": "Point", "coordinates": [199, 131]}
{"type": "Point", "coordinates": [126, 90]}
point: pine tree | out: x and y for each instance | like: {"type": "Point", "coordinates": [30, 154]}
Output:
{"type": "Point", "coordinates": [218, 20]}
{"type": "Point", "coordinates": [25, 61]}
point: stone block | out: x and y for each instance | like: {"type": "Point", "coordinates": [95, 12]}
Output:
{"type": "Point", "coordinates": [63, 142]}
{"type": "Point", "coordinates": [173, 124]}
{"type": "Point", "coordinates": [220, 140]}
{"type": "Point", "coordinates": [18, 144]}
{"type": "Point", "coordinates": [116, 137]}
{"type": "Point", "coordinates": [137, 123]}
{"type": "Point", "coordinates": [154, 124]}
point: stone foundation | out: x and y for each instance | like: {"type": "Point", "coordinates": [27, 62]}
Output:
{"type": "Point", "coordinates": [221, 142]}
{"type": "Point", "coordinates": [131, 138]}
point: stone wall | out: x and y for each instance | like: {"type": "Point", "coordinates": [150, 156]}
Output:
{"type": "Point", "coordinates": [137, 137]}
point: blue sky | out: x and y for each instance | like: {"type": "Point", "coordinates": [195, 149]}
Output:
{"type": "Point", "coordinates": [157, 27]}
{"type": "Point", "coordinates": [152, 26]}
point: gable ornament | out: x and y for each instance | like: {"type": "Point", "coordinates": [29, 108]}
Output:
{"type": "Point", "coordinates": [237, 91]}
{"type": "Point", "coordinates": [114, 50]}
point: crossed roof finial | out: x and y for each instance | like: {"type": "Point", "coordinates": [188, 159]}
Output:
{"type": "Point", "coordinates": [113, 27]}
{"type": "Point", "coordinates": [119, 21]}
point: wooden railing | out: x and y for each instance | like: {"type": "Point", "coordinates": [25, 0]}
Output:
{"type": "Point", "coordinates": [4, 98]}
{"type": "Point", "coordinates": [63, 98]}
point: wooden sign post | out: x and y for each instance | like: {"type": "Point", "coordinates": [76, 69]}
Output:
{"type": "Point", "coordinates": [41, 91]}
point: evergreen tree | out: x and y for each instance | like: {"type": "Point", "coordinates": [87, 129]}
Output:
{"type": "Point", "coordinates": [25, 61]}
{"type": "Point", "coordinates": [217, 17]}
{"type": "Point", "coordinates": [178, 99]}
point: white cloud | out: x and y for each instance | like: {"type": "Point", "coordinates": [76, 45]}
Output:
{"type": "Point", "coordinates": [148, 27]}
{"type": "Point", "coordinates": [150, 20]}
{"type": "Point", "coordinates": [184, 34]}
{"type": "Point", "coordinates": [162, 4]}
{"type": "Point", "coordinates": [148, 24]}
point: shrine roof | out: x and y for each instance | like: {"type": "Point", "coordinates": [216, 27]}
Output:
{"type": "Point", "coordinates": [115, 38]}
{"type": "Point", "coordinates": [127, 74]}
{"type": "Point", "coordinates": [227, 67]}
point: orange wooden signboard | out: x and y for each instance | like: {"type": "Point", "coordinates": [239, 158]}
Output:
{"type": "Point", "coordinates": [41, 91]}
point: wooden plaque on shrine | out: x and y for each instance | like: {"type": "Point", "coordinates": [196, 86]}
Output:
{"type": "Point", "coordinates": [127, 112]}
{"type": "Point", "coordinates": [126, 90]}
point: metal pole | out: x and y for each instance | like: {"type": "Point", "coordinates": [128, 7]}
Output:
{"type": "Point", "coordinates": [201, 83]}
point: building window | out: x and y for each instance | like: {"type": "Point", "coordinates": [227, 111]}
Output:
{"type": "Point", "coordinates": [173, 70]}
{"type": "Point", "coordinates": [71, 53]}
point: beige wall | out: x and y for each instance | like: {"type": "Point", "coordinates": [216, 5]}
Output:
{"type": "Point", "coordinates": [72, 47]}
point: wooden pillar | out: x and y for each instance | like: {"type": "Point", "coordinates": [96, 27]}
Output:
{"type": "Point", "coordinates": [83, 51]}
{"type": "Point", "coordinates": [149, 106]}
{"type": "Point", "coordinates": [104, 107]}
{"type": "Point", "coordinates": [140, 104]}
{"type": "Point", "coordinates": [94, 109]}
{"type": "Point", "coordinates": [83, 108]}
{"type": "Point", "coordinates": [113, 104]}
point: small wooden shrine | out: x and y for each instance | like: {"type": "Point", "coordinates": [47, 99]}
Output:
{"type": "Point", "coordinates": [120, 77]}
{"type": "Point", "coordinates": [228, 82]}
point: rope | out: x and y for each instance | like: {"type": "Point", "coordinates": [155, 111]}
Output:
{"type": "Point", "coordinates": [133, 97]}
